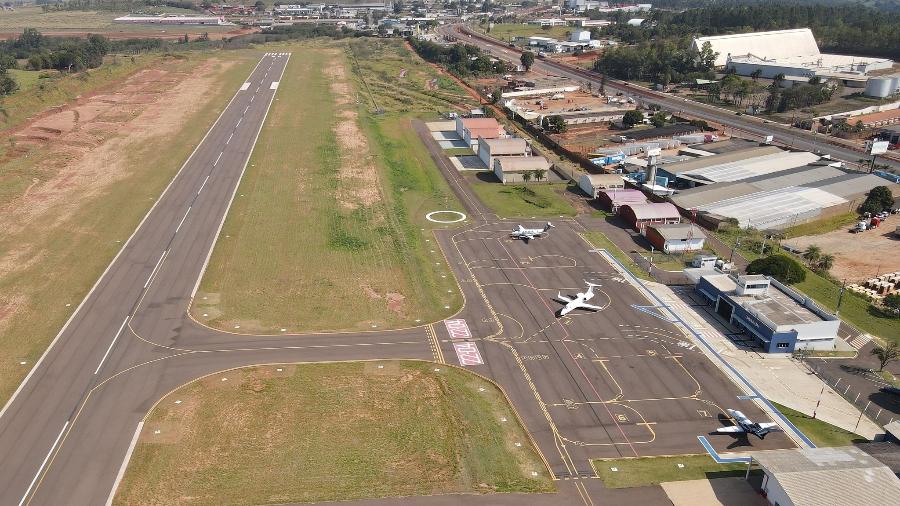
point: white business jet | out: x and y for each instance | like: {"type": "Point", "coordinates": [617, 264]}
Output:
{"type": "Point", "coordinates": [530, 233]}
{"type": "Point", "coordinates": [744, 425]}
{"type": "Point", "coordinates": [579, 302]}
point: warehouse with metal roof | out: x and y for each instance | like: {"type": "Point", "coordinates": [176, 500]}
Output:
{"type": "Point", "coordinates": [745, 169]}
{"type": "Point", "coordinates": [641, 215]}
{"type": "Point", "coordinates": [616, 198]}
{"type": "Point", "coordinates": [511, 169]}
{"type": "Point", "coordinates": [672, 171]}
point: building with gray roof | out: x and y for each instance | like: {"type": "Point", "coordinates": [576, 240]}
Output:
{"type": "Point", "coordinates": [820, 476]}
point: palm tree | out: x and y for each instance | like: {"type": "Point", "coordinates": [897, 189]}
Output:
{"type": "Point", "coordinates": [812, 254]}
{"type": "Point", "coordinates": [539, 174]}
{"type": "Point", "coordinates": [826, 262]}
{"type": "Point", "coordinates": [526, 177]}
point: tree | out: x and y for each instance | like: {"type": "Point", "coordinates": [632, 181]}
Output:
{"type": "Point", "coordinates": [778, 78]}
{"type": "Point", "coordinates": [755, 74]}
{"type": "Point", "coordinates": [539, 174]}
{"type": "Point", "coordinates": [826, 262]}
{"type": "Point", "coordinates": [496, 95]}
{"type": "Point", "coordinates": [527, 59]}
{"type": "Point", "coordinates": [632, 117]}
{"type": "Point", "coordinates": [886, 354]}
{"type": "Point", "coordinates": [526, 177]}
{"type": "Point", "coordinates": [892, 301]}
{"type": "Point", "coordinates": [8, 85]}
{"type": "Point", "coordinates": [659, 119]}
{"type": "Point", "coordinates": [260, 6]}
{"type": "Point", "coordinates": [555, 124]}
{"type": "Point", "coordinates": [878, 200]}
{"type": "Point", "coordinates": [812, 254]}
{"type": "Point", "coordinates": [780, 267]}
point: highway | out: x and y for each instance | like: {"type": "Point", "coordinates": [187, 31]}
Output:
{"type": "Point", "coordinates": [620, 382]}
{"type": "Point", "coordinates": [744, 125]}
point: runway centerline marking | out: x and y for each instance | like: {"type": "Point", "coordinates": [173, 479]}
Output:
{"type": "Point", "coordinates": [156, 268]}
{"type": "Point", "coordinates": [202, 186]}
{"type": "Point", "coordinates": [220, 156]}
{"type": "Point", "coordinates": [186, 213]}
{"type": "Point", "coordinates": [229, 138]}
{"type": "Point", "coordinates": [238, 123]}
{"type": "Point", "coordinates": [44, 463]}
{"type": "Point", "coordinates": [115, 338]}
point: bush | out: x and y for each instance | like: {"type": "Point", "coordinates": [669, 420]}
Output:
{"type": "Point", "coordinates": [780, 267]}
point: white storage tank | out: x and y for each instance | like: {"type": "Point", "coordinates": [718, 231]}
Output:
{"type": "Point", "coordinates": [882, 86]}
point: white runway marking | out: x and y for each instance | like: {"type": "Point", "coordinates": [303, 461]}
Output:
{"type": "Point", "coordinates": [158, 263]}
{"type": "Point", "coordinates": [44, 463]}
{"type": "Point", "coordinates": [184, 217]}
{"type": "Point", "coordinates": [246, 109]}
{"type": "Point", "coordinates": [203, 185]}
{"type": "Point", "coordinates": [116, 337]}
{"type": "Point", "coordinates": [124, 465]}
{"type": "Point", "coordinates": [238, 123]}
{"type": "Point", "coordinates": [274, 85]}
{"type": "Point", "coordinates": [220, 155]}
{"type": "Point", "coordinates": [245, 86]}
{"type": "Point", "coordinates": [229, 138]}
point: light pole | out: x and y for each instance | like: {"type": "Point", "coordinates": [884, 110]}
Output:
{"type": "Point", "coordinates": [837, 310]}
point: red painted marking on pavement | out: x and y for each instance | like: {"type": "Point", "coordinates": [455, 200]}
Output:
{"type": "Point", "coordinates": [468, 353]}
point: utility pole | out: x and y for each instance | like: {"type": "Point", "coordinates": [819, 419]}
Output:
{"type": "Point", "coordinates": [837, 310]}
{"type": "Point", "coordinates": [737, 244]}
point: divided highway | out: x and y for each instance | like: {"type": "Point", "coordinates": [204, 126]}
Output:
{"type": "Point", "coordinates": [747, 125]}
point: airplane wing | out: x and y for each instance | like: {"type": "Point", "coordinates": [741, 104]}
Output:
{"type": "Point", "coordinates": [730, 430]}
{"type": "Point", "coordinates": [528, 236]}
{"type": "Point", "coordinates": [584, 305]}
{"type": "Point", "coordinates": [562, 298]}
{"type": "Point", "coordinates": [767, 425]}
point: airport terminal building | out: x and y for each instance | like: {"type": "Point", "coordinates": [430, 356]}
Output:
{"type": "Point", "coordinates": [778, 319]}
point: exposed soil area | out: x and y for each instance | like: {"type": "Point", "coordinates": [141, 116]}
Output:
{"type": "Point", "coordinates": [858, 257]}
{"type": "Point", "coordinates": [62, 158]}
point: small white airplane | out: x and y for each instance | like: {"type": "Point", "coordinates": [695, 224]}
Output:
{"type": "Point", "coordinates": [744, 425]}
{"type": "Point", "coordinates": [530, 233]}
{"type": "Point", "coordinates": [579, 302]}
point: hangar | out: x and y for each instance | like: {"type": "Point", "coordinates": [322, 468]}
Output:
{"type": "Point", "coordinates": [641, 215]}
{"type": "Point", "coordinates": [592, 184]}
{"type": "Point", "coordinates": [676, 237]}
{"type": "Point", "coordinates": [791, 52]}
{"type": "Point", "coordinates": [614, 199]}
{"type": "Point", "coordinates": [509, 169]}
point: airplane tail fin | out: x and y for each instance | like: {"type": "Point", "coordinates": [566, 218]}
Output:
{"type": "Point", "coordinates": [548, 226]}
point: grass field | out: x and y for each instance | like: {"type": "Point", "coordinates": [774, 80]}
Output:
{"type": "Point", "coordinates": [26, 79]}
{"type": "Point", "coordinates": [822, 226]}
{"type": "Point", "coordinates": [520, 201]}
{"type": "Point", "coordinates": [821, 433]}
{"type": "Point", "coordinates": [304, 228]}
{"type": "Point", "coordinates": [37, 296]}
{"type": "Point", "coordinates": [509, 31]}
{"type": "Point", "coordinates": [599, 240]}
{"type": "Point", "coordinates": [645, 471]}
{"type": "Point", "coordinates": [325, 432]}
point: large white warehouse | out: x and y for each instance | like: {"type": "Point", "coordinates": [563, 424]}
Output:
{"type": "Point", "coordinates": [789, 52]}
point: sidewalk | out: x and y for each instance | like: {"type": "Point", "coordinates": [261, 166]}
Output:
{"type": "Point", "coordinates": [777, 376]}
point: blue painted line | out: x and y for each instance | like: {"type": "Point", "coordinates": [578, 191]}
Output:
{"type": "Point", "coordinates": [731, 368]}
{"type": "Point", "coordinates": [721, 460]}
{"type": "Point", "coordinates": [747, 397]}
{"type": "Point", "coordinates": [650, 311]}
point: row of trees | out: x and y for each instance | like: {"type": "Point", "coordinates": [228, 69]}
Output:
{"type": "Point", "coordinates": [70, 54]}
{"type": "Point", "coordinates": [115, 5]}
{"type": "Point", "coordinates": [662, 61]}
{"type": "Point", "coordinates": [460, 59]}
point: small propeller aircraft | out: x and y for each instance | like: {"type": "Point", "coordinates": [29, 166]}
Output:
{"type": "Point", "coordinates": [744, 425]}
{"type": "Point", "coordinates": [579, 302]}
{"type": "Point", "coordinates": [530, 233]}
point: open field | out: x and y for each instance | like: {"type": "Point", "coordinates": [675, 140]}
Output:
{"type": "Point", "coordinates": [521, 201]}
{"type": "Point", "coordinates": [77, 181]}
{"type": "Point", "coordinates": [821, 433]}
{"type": "Point", "coordinates": [508, 31]}
{"type": "Point", "coordinates": [26, 79]}
{"type": "Point", "coordinates": [857, 257]}
{"type": "Point", "coordinates": [13, 22]}
{"type": "Point", "coordinates": [330, 234]}
{"type": "Point", "coordinates": [822, 226]}
{"type": "Point", "coordinates": [641, 472]}
{"type": "Point", "coordinates": [322, 432]}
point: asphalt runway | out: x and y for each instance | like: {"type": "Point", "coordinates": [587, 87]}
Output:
{"type": "Point", "coordinates": [619, 382]}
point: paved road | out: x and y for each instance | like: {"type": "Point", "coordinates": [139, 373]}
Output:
{"type": "Point", "coordinates": [620, 382]}
{"type": "Point", "coordinates": [749, 126]}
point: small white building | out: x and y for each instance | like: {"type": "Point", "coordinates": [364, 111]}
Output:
{"type": "Point", "coordinates": [489, 149]}
{"type": "Point", "coordinates": [819, 476]}
{"type": "Point", "coordinates": [676, 237]}
{"type": "Point", "coordinates": [509, 169]}
{"type": "Point", "coordinates": [471, 129]}
{"type": "Point", "coordinates": [592, 184]}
